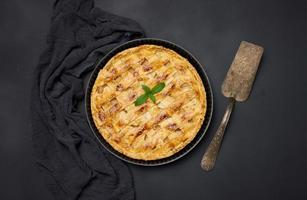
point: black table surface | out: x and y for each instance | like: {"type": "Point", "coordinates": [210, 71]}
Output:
{"type": "Point", "coordinates": [263, 155]}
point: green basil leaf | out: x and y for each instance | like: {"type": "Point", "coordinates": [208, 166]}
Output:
{"type": "Point", "coordinates": [146, 88]}
{"type": "Point", "coordinates": [141, 99]}
{"type": "Point", "coordinates": [158, 88]}
{"type": "Point", "coordinates": [152, 97]}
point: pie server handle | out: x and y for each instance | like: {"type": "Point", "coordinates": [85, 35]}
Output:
{"type": "Point", "coordinates": [209, 158]}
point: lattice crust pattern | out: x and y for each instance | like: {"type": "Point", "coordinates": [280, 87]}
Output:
{"type": "Point", "coordinates": [150, 131]}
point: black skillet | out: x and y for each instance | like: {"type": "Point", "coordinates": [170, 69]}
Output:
{"type": "Point", "coordinates": [201, 73]}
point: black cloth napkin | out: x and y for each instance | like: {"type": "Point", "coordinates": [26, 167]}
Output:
{"type": "Point", "coordinates": [74, 165]}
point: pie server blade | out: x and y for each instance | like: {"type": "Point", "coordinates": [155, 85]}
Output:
{"type": "Point", "coordinates": [242, 72]}
{"type": "Point", "coordinates": [237, 87]}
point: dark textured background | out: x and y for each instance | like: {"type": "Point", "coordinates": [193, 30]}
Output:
{"type": "Point", "coordinates": [264, 152]}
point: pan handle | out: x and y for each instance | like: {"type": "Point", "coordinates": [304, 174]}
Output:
{"type": "Point", "coordinates": [209, 158]}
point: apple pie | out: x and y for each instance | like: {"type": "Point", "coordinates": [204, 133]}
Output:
{"type": "Point", "coordinates": [149, 131]}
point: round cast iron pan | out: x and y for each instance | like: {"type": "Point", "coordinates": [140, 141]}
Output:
{"type": "Point", "coordinates": [100, 64]}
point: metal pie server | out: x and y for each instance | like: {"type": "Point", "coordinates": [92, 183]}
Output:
{"type": "Point", "coordinates": [237, 87]}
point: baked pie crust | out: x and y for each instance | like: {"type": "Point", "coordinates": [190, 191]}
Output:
{"type": "Point", "coordinates": [150, 131]}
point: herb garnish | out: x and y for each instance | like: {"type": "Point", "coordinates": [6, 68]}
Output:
{"type": "Point", "coordinates": [149, 93]}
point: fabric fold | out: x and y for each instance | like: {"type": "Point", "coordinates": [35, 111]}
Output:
{"type": "Point", "coordinates": [74, 164]}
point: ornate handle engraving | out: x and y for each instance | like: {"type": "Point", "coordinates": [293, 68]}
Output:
{"type": "Point", "coordinates": [209, 158]}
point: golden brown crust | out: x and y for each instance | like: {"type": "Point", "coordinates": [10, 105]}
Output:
{"type": "Point", "coordinates": [150, 131]}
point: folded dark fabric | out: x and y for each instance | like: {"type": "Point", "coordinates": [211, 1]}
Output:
{"type": "Point", "coordinates": [73, 163]}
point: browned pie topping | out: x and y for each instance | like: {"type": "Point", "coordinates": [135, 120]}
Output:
{"type": "Point", "coordinates": [153, 130]}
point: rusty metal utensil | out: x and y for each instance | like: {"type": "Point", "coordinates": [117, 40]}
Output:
{"type": "Point", "coordinates": [237, 87]}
